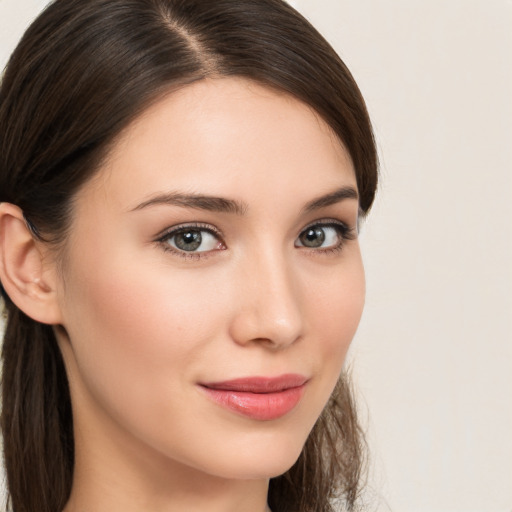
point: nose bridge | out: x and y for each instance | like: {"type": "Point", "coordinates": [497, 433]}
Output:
{"type": "Point", "coordinates": [270, 300]}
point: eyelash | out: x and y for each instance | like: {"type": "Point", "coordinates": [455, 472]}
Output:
{"type": "Point", "coordinates": [183, 228]}
{"type": "Point", "coordinates": [345, 233]}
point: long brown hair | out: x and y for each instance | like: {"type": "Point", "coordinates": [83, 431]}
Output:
{"type": "Point", "coordinates": [82, 72]}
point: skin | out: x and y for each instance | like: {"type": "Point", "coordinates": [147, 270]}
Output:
{"type": "Point", "coordinates": [142, 324]}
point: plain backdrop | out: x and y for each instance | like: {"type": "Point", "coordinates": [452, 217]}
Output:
{"type": "Point", "coordinates": [433, 356]}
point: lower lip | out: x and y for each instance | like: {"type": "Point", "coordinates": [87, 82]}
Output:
{"type": "Point", "coordinates": [258, 406]}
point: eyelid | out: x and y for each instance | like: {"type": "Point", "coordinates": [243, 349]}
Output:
{"type": "Point", "coordinates": [331, 222]}
{"type": "Point", "coordinates": [345, 233]}
{"type": "Point", "coordinates": [169, 232]}
{"type": "Point", "coordinates": [178, 228]}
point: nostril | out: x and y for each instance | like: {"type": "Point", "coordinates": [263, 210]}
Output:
{"type": "Point", "coordinates": [250, 328]}
{"type": "Point", "coordinates": [268, 307]}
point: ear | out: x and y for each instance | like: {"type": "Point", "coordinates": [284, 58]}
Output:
{"type": "Point", "coordinates": [24, 273]}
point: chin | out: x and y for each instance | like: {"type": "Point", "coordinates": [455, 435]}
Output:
{"type": "Point", "coordinates": [257, 469]}
{"type": "Point", "coordinates": [260, 459]}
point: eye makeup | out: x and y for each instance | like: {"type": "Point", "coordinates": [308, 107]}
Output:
{"type": "Point", "coordinates": [199, 240]}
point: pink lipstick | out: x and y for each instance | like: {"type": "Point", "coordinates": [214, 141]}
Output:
{"type": "Point", "coordinates": [259, 398]}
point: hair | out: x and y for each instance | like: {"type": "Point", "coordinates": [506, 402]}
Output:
{"type": "Point", "coordinates": [82, 72]}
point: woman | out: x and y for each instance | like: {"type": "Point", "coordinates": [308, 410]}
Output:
{"type": "Point", "coordinates": [181, 183]}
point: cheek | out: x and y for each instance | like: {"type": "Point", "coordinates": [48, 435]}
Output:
{"type": "Point", "coordinates": [144, 314]}
{"type": "Point", "coordinates": [337, 305]}
{"type": "Point", "coordinates": [137, 334]}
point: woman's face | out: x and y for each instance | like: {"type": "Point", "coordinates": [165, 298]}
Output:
{"type": "Point", "coordinates": [212, 283]}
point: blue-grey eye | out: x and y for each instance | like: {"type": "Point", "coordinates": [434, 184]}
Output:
{"type": "Point", "coordinates": [319, 236]}
{"type": "Point", "coordinates": [193, 240]}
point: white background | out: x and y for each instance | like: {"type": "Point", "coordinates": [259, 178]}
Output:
{"type": "Point", "coordinates": [433, 356]}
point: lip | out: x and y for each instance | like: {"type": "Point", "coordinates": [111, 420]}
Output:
{"type": "Point", "coordinates": [259, 398]}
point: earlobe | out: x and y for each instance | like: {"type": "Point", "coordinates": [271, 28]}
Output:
{"type": "Point", "coordinates": [22, 268]}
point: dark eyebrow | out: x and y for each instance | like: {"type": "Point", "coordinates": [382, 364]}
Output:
{"type": "Point", "coordinates": [331, 198]}
{"type": "Point", "coordinates": [196, 201]}
{"type": "Point", "coordinates": [221, 204]}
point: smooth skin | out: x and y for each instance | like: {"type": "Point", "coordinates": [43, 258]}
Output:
{"type": "Point", "coordinates": [268, 281]}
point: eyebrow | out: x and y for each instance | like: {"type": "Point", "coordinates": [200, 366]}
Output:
{"type": "Point", "coordinates": [196, 201]}
{"type": "Point", "coordinates": [332, 198]}
{"type": "Point", "coordinates": [224, 205]}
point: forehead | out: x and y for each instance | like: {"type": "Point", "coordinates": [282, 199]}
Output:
{"type": "Point", "coordinates": [226, 136]}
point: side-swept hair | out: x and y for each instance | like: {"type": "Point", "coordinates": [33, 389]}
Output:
{"type": "Point", "coordinates": [82, 72]}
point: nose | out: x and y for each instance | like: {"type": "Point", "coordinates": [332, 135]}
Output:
{"type": "Point", "coordinates": [268, 309]}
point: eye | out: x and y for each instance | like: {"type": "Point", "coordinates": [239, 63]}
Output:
{"type": "Point", "coordinates": [329, 235]}
{"type": "Point", "coordinates": [191, 239]}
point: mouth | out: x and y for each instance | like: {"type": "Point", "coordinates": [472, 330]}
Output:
{"type": "Point", "coordinates": [258, 398]}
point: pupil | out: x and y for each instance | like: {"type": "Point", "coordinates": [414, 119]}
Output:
{"type": "Point", "coordinates": [313, 237]}
{"type": "Point", "coordinates": [189, 240]}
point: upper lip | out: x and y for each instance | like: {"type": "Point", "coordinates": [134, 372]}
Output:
{"type": "Point", "coordinates": [259, 384]}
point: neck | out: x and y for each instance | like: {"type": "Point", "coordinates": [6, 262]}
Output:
{"type": "Point", "coordinates": [115, 473]}
{"type": "Point", "coordinates": [226, 498]}
{"type": "Point", "coordinates": [124, 488]}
